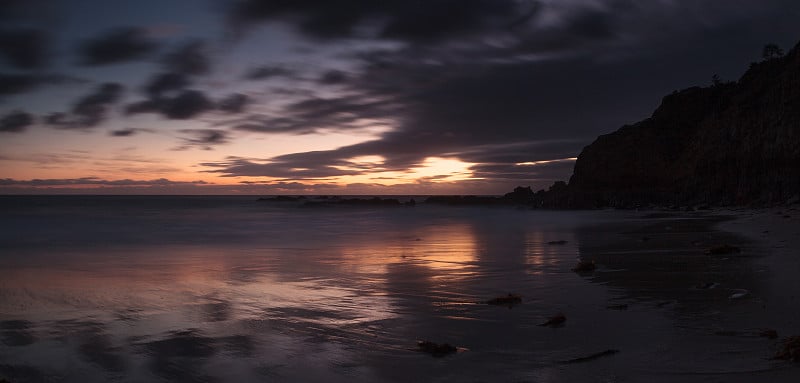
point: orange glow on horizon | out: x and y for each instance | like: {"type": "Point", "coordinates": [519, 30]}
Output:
{"type": "Point", "coordinates": [543, 162]}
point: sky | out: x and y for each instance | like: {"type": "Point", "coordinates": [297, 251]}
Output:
{"type": "Point", "coordinates": [346, 96]}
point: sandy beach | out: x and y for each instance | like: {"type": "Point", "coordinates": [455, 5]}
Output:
{"type": "Point", "coordinates": [777, 231]}
{"type": "Point", "coordinates": [224, 289]}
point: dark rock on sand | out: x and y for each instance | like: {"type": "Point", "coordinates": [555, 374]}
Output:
{"type": "Point", "coordinates": [584, 267]}
{"type": "Point", "coordinates": [555, 321]}
{"type": "Point", "coordinates": [790, 349]}
{"type": "Point", "coordinates": [768, 333]}
{"type": "Point", "coordinates": [617, 307]}
{"type": "Point", "coordinates": [508, 300]}
{"type": "Point", "coordinates": [436, 349]}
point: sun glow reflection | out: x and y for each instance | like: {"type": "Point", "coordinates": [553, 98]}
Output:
{"type": "Point", "coordinates": [450, 248]}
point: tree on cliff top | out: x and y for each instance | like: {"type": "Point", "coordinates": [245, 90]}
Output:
{"type": "Point", "coordinates": [771, 51]}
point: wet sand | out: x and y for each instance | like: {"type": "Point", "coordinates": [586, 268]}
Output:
{"type": "Point", "coordinates": [344, 295]}
{"type": "Point", "coordinates": [719, 305]}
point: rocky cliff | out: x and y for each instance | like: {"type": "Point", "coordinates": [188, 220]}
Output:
{"type": "Point", "coordinates": [732, 143]}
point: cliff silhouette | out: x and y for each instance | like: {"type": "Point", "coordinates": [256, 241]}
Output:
{"type": "Point", "coordinates": [734, 143]}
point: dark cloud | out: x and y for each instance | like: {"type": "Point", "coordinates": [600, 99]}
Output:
{"type": "Point", "coordinates": [90, 110]}
{"type": "Point", "coordinates": [24, 10]}
{"type": "Point", "coordinates": [235, 166]}
{"type": "Point", "coordinates": [266, 72]}
{"type": "Point", "coordinates": [476, 114]}
{"type": "Point", "coordinates": [293, 187]}
{"type": "Point", "coordinates": [128, 132]}
{"type": "Point", "coordinates": [234, 103]}
{"type": "Point", "coordinates": [146, 106]}
{"type": "Point", "coordinates": [18, 83]}
{"type": "Point", "coordinates": [104, 95]}
{"type": "Point", "coordinates": [536, 94]}
{"type": "Point", "coordinates": [490, 82]}
{"type": "Point", "coordinates": [546, 173]}
{"type": "Point", "coordinates": [591, 24]}
{"type": "Point", "coordinates": [13, 84]}
{"type": "Point", "coordinates": [191, 58]}
{"type": "Point", "coordinates": [333, 77]}
{"type": "Point", "coordinates": [440, 19]}
{"type": "Point", "coordinates": [162, 84]}
{"type": "Point", "coordinates": [204, 138]}
{"type": "Point", "coordinates": [24, 48]}
{"type": "Point", "coordinates": [116, 46]}
{"type": "Point", "coordinates": [418, 21]}
{"type": "Point", "coordinates": [57, 118]}
{"type": "Point", "coordinates": [167, 92]}
{"type": "Point", "coordinates": [15, 122]}
{"type": "Point", "coordinates": [185, 105]}
{"type": "Point", "coordinates": [319, 114]}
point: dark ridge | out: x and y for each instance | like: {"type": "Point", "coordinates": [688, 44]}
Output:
{"type": "Point", "coordinates": [728, 144]}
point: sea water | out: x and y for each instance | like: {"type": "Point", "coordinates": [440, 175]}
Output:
{"type": "Point", "coordinates": [154, 288]}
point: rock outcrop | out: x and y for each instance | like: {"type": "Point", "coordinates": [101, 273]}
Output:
{"type": "Point", "coordinates": [734, 143]}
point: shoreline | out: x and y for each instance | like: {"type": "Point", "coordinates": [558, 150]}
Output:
{"type": "Point", "coordinates": [776, 231]}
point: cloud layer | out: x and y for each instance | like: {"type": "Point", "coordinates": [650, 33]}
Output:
{"type": "Point", "coordinates": [492, 83]}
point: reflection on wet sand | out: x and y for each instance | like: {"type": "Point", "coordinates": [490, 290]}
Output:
{"type": "Point", "coordinates": [661, 265]}
{"type": "Point", "coordinates": [168, 308]}
{"type": "Point", "coordinates": [450, 249]}
{"type": "Point", "coordinates": [543, 253]}
{"type": "Point", "coordinates": [349, 303]}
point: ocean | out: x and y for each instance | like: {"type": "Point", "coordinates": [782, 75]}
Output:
{"type": "Point", "coordinates": [227, 288]}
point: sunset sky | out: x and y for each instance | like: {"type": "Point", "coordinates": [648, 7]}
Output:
{"type": "Point", "coordinates": [346, 97]}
